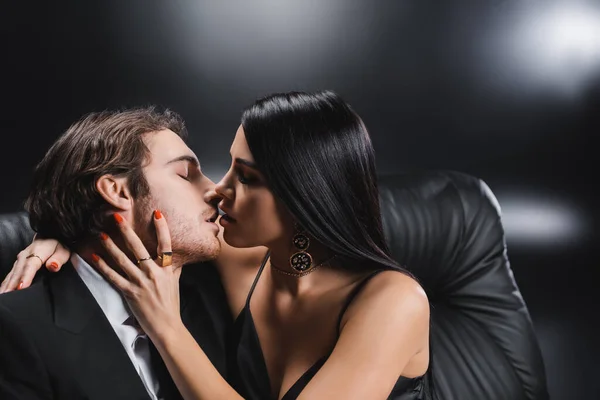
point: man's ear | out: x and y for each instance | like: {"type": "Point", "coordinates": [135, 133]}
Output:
{"type": "Point", "coordinates": [115, 191]}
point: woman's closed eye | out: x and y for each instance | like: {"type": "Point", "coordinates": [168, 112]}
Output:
{"type": "Point", "coordinates": [244, 179]}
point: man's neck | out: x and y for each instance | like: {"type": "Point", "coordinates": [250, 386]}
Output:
{"type": "Point", "coordinates": [86, 250]}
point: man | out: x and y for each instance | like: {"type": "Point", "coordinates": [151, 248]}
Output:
{"type": "Point", "coordinates": [72, 335]}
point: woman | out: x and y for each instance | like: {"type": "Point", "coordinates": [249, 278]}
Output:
{"type": "Point", "coordinates": [322, 309]}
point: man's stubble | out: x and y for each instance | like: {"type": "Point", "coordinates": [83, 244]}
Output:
{"type": "Point", "coordinates": [190, 243]}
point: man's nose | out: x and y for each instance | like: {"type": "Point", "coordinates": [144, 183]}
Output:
{"type": "Point", "coordinates": [212, 197]}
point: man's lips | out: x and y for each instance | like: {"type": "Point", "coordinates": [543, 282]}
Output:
{"type": "Point", "coordinates": [213, 217]}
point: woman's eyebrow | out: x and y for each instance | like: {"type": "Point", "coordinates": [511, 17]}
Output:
{"type": "Point", "coordinates": [247, 163]}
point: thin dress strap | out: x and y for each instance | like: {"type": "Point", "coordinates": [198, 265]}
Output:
{"type": "Point", "coordinates": [262, 266]}
{"type": "Point", "coordinates": [353, 294]}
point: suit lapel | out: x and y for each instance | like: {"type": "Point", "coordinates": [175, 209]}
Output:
{"type": "Point", "coordinates": [104, 368]}
{"type": "Point", "coordinates": [205, 311]}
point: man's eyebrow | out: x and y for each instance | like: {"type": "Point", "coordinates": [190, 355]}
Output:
{"type": "Point", "coordinates": [247, 163]}
{"type": "Point", "coordinates": [191, 159]}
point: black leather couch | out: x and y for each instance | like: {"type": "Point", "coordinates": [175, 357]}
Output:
{"type": "Point", "coordinates": [446, 228]}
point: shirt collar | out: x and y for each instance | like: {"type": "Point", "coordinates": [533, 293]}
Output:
{"type": "Point", "coordinates": [108, 297]}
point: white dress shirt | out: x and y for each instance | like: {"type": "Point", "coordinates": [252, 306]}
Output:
{"type": "Point", "coordinates": [134, 341]}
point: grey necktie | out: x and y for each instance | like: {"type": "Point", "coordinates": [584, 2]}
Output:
{"type": "Point", "coordinates": [141, 350]}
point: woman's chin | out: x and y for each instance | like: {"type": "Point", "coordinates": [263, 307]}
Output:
{"type": "Point", "coordinates": [234, 239]}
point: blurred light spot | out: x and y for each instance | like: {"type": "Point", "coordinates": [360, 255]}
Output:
{"type": "Point", "coordinates": [536, 220]}
{"type": "Point", "coordinates": [259, 39]}
{"type": "Point", "coordinates": [568, 46]}
{"type": "Point", "coordinates": [548, 45]}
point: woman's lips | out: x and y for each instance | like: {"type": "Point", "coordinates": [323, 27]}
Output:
{"type": "Point", "coordinates": [226, 219]}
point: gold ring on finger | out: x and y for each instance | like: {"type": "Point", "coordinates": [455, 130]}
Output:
{"type": "Point", "coordinates": [166, 258]}
{"type": "Point", "coordinates": [143, 259]}
{"type": "Point", "coordinates": [35, 255]}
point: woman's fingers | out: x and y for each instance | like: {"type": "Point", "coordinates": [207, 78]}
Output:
{"type": "Point", "coordinates": [21, 269]}
{"type": "Point", "coordinates": [4, 287]}
{"type": "Point", "coordinates": [132, 241]}
{"type": "Point", "coordinates": [59, 258]}
{"type": "Point", "coordinates": [163, 235]}
{"type": "Point", "coordinates": [113, 276]}
{"type": "Point", "coordinates": [28, 262]}
{"type": "Point", "coordinates": [121, 259]}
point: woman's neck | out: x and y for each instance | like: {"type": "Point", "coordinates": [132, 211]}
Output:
{"type": "Point", "coordinates": [286, 278]}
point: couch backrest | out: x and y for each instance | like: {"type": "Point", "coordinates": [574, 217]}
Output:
{"type": "Point", "coordinates": [446, 228]}
{"type": "Point", "coordinates": [15, 235]}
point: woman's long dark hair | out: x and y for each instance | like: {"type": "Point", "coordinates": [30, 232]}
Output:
{"type": "Point", "coordinates": [317, 158]}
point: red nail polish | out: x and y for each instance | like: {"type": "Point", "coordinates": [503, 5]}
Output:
{"type": "Point", "coordinates": [103, 235]}
{"type": "Point", "coordinates": [95, 257]}
{"type": "Point", "coordinates": [54, 266]}
{"type": "Point", "coordinates": [157, 214]}
{"type": "Point", "coordinates": [118, 218]}
{"type": "Point", "coordinates": [20, 286]}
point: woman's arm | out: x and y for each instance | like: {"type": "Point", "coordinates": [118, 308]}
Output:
{"type": "Point", "coordinates": [190, 368]}
{"type": "Point", "coordinates": [152, 292]}
{"type": "Point", "coordinates": [384, 328]}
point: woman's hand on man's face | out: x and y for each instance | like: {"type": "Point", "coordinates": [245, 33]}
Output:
{"type": "Point", "coordinates": [151, 289]}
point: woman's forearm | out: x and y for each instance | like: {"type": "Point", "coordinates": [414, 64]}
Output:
{"type": "Point", "coordinates": [191, 370]}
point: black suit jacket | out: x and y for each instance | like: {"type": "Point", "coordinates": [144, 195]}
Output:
{"type": "Point", "coordinates": [56, 343]}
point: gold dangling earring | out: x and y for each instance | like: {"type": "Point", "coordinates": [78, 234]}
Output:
{"type": "Point", "coordinates": [301, 261]}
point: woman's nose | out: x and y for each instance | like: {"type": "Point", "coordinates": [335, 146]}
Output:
{"type": "Point", "coordinates": [223, 190]}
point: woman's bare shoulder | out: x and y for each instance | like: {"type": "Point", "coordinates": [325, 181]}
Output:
{"type": "Point", "coordinates": [393, 309]}
{"type": "Point", "coordinates": [402, 290]}
{"type": "Point", "coordinates": [392, 293]}
{"type": "Point", "coordinates": [398, 282]}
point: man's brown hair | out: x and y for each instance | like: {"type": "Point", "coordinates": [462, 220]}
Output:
{"type": "Point", "coordinates": [63, 202]}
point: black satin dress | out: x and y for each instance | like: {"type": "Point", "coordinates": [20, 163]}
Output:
{"type": "Point", "coordinates": [248, 370]}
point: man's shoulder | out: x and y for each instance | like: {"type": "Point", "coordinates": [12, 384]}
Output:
{"type": "Point", "coordinates": [199, 272]}
{"type": "Point", "coordinates": [201, 285]}
{"type": "Point", "coordinates": [24, 322]}
{"type": "Point", "coordinates": [205, 311]}
{"type": "Point", "coordinates": [203, 280]}
{"type": "Point", "coordinates": [27, 305]}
